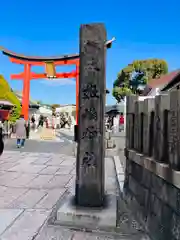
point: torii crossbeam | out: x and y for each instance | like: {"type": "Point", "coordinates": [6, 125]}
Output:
{"type": "Point", "coordinates": [50, 64]}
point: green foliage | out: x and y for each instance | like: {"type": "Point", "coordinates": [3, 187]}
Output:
{"type": "Point", "coordinates": [6, 93]}
{"type": "Point", "coordinates": [54, 106]}
{"type": "Point", "coordinates": [135, 74]}
{"type": "Point", "coordinates": [16, 111]}
{"type": "Point", "coordinates": [120, 92]}
{"type": "Point", "coordinates": [39, 102]}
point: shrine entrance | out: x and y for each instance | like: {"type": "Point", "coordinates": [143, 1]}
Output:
{"type": "Point", "coordinates": [50, 64]}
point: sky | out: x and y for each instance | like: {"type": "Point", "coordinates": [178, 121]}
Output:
{"type": "Point", "coordinates": [46, 28]}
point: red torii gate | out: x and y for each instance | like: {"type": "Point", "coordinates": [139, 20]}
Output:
{"type": "Point", "coordinates": [50, 64]}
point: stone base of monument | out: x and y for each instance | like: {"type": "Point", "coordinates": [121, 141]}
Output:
{"type": "Point", "coordinates": [107, 135]}
{"type": "Point", "coordinates": [110, 143]}
{"type": "Point", "coordinates": [104, 218]}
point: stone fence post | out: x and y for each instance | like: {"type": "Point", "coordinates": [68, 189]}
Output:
{"type": "Point", "coordinates": [148, 126]}
{"type": "Point", "coordinates": [162, 106]}
{"type": "Point", "coordinates": [153, 127]}
{"type": "Point", "coordinates": [174, 129]}
{"type": "Point", "coordinates": [130, 119]}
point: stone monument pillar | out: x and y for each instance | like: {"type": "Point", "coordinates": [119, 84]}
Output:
{"type": "Point", "coordinates": [92, 93]}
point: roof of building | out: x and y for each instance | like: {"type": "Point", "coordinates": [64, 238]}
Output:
{"type": "Point", "coordinates": [65, 105]}
{"type": "Point", "coordinates": [19, 95]}
{"type": "Point", "coordinates": [116, 108]}
{"type": "Point", "coordinates": [153, 83]}
{"type": "Point", "coordinates": [160, 82]}
{"type": "Point", "coordinates": [5, 103]}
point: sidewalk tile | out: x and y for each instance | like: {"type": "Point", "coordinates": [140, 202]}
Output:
{"type": "Point", "coordinates": [49, 170]}
{"type": "Point", "coordinates": [50, 199]}
{"type": "Point", "coordinates": [58, 181]}
{"type": "Point", "coordinates": [22, 180]}
{"type": "Point", "coordinates": [40, 181]}
{"type": "Point", "coordinates": [65, 170]}
{"type": "Point", "coordinates": [26, 226]}
{"type": "Point", "coordinates": [28, 200]}
{"type": "Point", "coordinates": [7, 216]}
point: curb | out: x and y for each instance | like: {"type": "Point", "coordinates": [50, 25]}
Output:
{"type": "Point", "coordinates": [120, 174]}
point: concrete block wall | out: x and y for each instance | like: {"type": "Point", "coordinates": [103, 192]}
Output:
{"type": "Point", "coordinates": [152, 175]}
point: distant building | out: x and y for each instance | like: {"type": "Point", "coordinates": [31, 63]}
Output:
{"type": "Point", "coordinates": [33, 106]}
{"type": "Point", "coordinates": [115, 109]}
{"type": "Point", "coordinates": [45, 111]}
{"type": "Point", "coordinates": [164, 83]}
{"type": "Point", "coordinates": [5, 109]}
{"type": "Point", "coordinates": [67, 108]}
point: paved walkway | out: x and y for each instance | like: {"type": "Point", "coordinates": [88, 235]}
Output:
{"type": "Point", "coordinates": [48, 134]}
{"type": "Point", "coordinates": [58, 135]}
{"type": "Point", "coordinates": [30, 186]}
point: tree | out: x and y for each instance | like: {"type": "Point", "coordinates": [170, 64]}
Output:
{"type": "Point", "coordinates": [39, 102]}
{"type": "Point", "coordinates": [53, 107]}
{"type": "Point", "coordinates": [6, 93]}
{"type": "Point", "coordinates": [135, 76]}
{"type": "Point", "coordinates": [120, 92]}
{"type": "Point", "coordinates": [15, 113]}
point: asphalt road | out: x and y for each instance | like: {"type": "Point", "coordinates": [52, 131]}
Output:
{"type": "Point", "coordinates": [64, 136]}
{"type": "Point", "coordinates": [65, 147]}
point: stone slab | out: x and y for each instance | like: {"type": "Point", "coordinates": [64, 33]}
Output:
{"type": "Point", "coordinates": [55, 233]}
{"type": "Point", "coordinates": [111, 143]}
{"type": "Point", "coordinates": [58, 181]}
{"type": "Point", "coordinates": [50, 199]}
{"type": "Point", "coordinates": [107, 135]}
{"type": "Point", "coordinates": [112, 152]}
{"type": "Point", "coordinates": [120, 174]}
{"type": "Point", "coordinates": [29, 199]}
{"type": "Point", "coordinates": [40, 181]}
{"type": "Point", "coordinates": [89, 218]}
{"type": "Point", "coordinates": [65, 170]}
{"type": "Point", "coordinates": [49, 170]}
{"type": "Point", "coordinates": [22, 180]}
{"type": "Point", "coordinates": [10, 195]}
{"type": "Point", "coordinates": [160, 169]}
{"type": "Point", "coordinates": [7, 217]}
{"type": "Point", "coordinates": [26, 226]}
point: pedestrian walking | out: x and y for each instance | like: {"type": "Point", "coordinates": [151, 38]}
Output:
{"type": "Point", "coordinates": [47, 122]}
{"type": "Point", "coordinates": [41, 121]}
{"type": "Point", "coordinates": [27, 129]}
{"type": "Point", "coordinates": [21, 131]}
{"type": "Point", "coordinates": [33, 120]}
{"type": "Point", "coordinates": [1, 137]}
{"type": "Point", "coordinates": [121, 122]}
{"type": "Point", "coordinates": [1, 126]}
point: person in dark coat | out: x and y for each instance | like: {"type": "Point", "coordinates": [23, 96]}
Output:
{"type": "Point", "coordinates": [33, 122]}
{"type": "Point", "coordinates": [41, 121]}
{"type": "Point", "coordinates": [1, 138]}
{"type": "Point", "coordinates": [27, 129]}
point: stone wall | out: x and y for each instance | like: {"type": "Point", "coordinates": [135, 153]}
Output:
{"type": "Point", "coordinates": [152, 178]}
